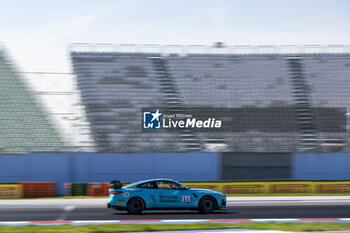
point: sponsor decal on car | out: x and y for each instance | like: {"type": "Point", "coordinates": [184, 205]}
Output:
{"type": "Point", "coordinates": [153, 199]}
{"type": "Point", "coordinates": [168, 199]}
{"type": "Point", "coordinates": [126, 195]}
{"type": "Point", "coordinates": [186, 199]}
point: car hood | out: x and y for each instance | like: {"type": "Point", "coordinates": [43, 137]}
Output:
{"type": "Point", "coordinates": [206, 191]}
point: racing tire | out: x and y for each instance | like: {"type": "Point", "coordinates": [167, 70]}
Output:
{"type": "Point", "coordinates": [207, 205]}
{"type": "Point", "coordinates": [135, 206]}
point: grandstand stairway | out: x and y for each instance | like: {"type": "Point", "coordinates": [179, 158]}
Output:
{"type": "Point", "coordinates": [303, 111]}
{"type": "Point", "coordinates": [173, 101]}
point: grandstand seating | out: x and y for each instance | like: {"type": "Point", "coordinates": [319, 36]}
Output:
{"type": "Point", "coordinates": [329, 79]}
{"type": "Point", "coordinates": [257, 88]}
{"type": "Point", "coordinates": [238, 81]}
{"type": "Point", "coordinates": [115, 87]}
{"type": "Point", "coordinates": [24, 127]}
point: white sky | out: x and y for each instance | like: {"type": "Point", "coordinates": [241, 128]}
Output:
{"type": "Point", "coordinates": [37, 32]}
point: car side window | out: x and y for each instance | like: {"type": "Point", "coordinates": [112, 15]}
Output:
{"type": "Point", "coordinates": [167, 185]}
{"type": "Point", "coordinates": [148, 185]}
{"type": "Point", "coordinates": [175, 185]}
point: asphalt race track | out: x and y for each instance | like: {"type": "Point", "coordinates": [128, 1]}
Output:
{"type": "Point", "coordinates": [233, 211]}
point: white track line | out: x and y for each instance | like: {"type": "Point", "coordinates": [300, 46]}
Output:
{"type": "Point", "coordinates": [66, 212]}
{"type": "Point", "coordinates": [275, 220]}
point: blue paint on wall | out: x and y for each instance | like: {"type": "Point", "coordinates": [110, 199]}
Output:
{"type": "Point", "coordinates": [103, 167]}
{"type": "Point", "coordinates": [315, 166]}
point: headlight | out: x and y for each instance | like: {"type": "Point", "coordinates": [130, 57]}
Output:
{"type": "Point", "coordinates": [220, 195]}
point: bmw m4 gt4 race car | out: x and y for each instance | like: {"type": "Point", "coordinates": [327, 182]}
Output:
{"type": "Point", "coordinates": [163, 194]}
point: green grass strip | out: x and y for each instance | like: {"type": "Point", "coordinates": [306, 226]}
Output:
{"type": "Point", "coordinates": [108, 228]}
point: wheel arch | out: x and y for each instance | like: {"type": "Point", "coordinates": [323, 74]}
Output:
{"type": "Point", "coordinates": [211, 196]}
{"type": "Point", "coordinates": [144, 203]}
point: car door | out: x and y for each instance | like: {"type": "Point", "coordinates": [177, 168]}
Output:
{"type": "Point", "coordinates": [171, 195]}
{"type": "Point", "coordinates": [167, 195]}
{"type": "Point", "coordinates": [186, 197]}
{"type": "Point", "coordinates": [149, 193]}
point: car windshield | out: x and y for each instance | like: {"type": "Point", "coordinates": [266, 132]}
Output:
{"type": "Point", "coordinates": [183, 186]}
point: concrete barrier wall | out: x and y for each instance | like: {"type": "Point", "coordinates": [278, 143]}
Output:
{"type": "Point", "coordinates": [103, 167]}
{"type": "Point", "coordinates": [315, 166]}
{"type": "Point", "coordinates": [245, 166]}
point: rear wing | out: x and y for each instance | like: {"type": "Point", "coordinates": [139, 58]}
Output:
{"type": "Point", "coordinates": [115, 184]}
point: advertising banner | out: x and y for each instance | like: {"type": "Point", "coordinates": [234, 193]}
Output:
{"type": "Point", "coordinates": [10, 191]}
{"type": "Point", "coordinates": [290, 187]}
{"type": "Point", "coordinates": [252, 187]}
{"type": "Point", "coordinates": [245, 188]}
{"type": "Point", "coordinates": [332, 187]}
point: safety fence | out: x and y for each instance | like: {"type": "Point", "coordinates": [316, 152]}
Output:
{"type": "Point", "coordinates": [48, 189]}
{"type": "Point", "coordinates": [268, 187]}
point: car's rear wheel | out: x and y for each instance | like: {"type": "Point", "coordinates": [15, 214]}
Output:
{"type": "Point", "coordinates": [135, 206]}
{"type": "Point", "coordinates": [207, 205]}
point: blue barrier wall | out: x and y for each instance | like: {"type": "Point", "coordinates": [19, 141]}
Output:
{"type": "Point", "coordinates": [321, 166]}
{"type": "Point", "coordinates": [103, 167]}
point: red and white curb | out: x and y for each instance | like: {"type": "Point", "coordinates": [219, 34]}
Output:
{"type": "Point", "coordinates": [175, 221]}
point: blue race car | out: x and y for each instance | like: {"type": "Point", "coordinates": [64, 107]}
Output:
{"type": "Point", "coordinates": [163, 194]}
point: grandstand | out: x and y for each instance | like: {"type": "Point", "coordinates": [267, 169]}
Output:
{"type": "Point", "coordinates": [279, 102]}
{"type": "Point", "coordinates": [114, 93]}
{"type": "Point", "coordinates": [24, 125]}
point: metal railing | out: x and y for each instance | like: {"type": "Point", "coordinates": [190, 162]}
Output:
{"type": "Point", "coordinates": [209, 49]}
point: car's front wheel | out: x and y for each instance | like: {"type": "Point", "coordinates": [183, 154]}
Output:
{"type": "Point", "coordinates": [207, 205]}
{"type": "Point", "coordinates": [135, 206]}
